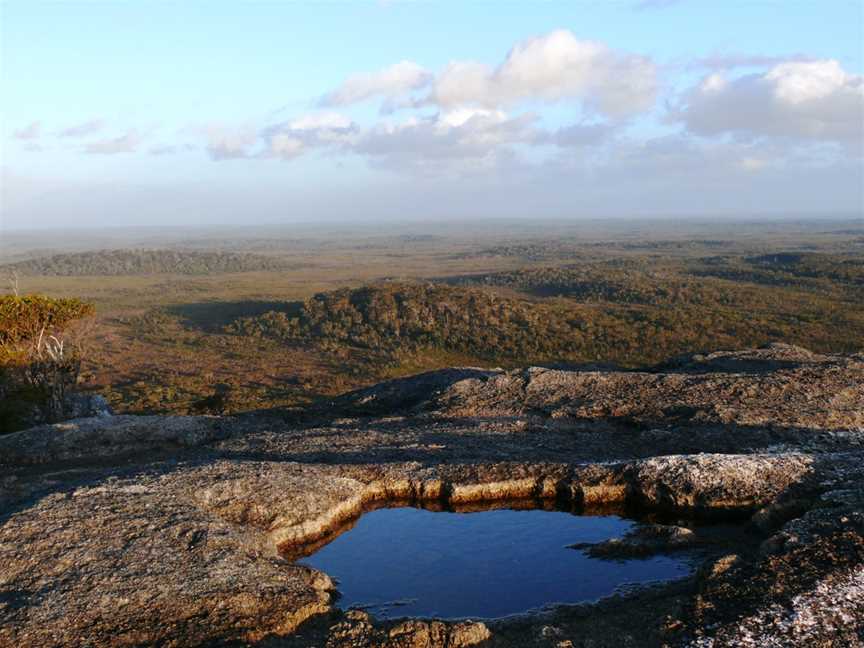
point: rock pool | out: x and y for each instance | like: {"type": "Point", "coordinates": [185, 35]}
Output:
{"type": "Point", "coordinates": [412, 562]}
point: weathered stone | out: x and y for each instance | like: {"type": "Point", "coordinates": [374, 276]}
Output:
{"type": "Point", "coordinates": [107, 437]}
{"type": "Point", "coordinates": [179, 530]}
{"type": "Point", "coordinates": [644, 540]}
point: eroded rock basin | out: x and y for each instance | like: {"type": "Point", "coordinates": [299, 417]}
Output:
{"type": "Point", "coordinates": [412, 562]}
{"type": "Point", "coordinates": [170, 531]}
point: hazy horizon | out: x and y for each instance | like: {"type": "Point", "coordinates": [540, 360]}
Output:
{"type": "Point", "coordinates": [203, 114]}
{"type": "Point", "coordinates": [397, 225]}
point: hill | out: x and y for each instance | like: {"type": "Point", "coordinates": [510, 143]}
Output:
{"type": "Point", "coordinates": [810, 270]}
{"type": "Point", "coordinates": [629, 319]}
{"type": "Point", "coordinates": [143, 262]}
{"type": "Point", "coordinates": [647, 280]}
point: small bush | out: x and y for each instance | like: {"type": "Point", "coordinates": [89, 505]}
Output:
{"type": "Point", "coordinates": [38, 368]}
{"type": "Point", "coordinates": [24, 318]}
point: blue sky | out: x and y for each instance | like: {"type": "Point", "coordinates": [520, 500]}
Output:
{"type": "Point", "coordinates": [230, 112]}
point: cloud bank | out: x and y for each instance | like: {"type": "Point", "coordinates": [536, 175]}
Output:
{"type": "Point", "coordinates": [127, 143]}
{"type": "Point", "coordinates": [392, 83]}
{"type": "Point", "coordinates": [816, 100]}
{"type": "Point", "coordinates": [617, 121]}
{"type": "Point", "coordinates": [84, 129]}
{"type": "Point", "coordinates": [552, 68]}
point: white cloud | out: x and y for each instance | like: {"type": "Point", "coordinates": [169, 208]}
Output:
{"type": "Point", "coordinates": [460, 141]}
{"type": "Point", "coordinates": [444, 139]}
{"type": "Point", "coordinates": [83, 129]}
{"type": "Point", "coordinates": [227, 142]}
{"type": "Point", "coordinates": [320, 121]}
{"type": "Point", "coordinates": [127, 143]}
{"type": "Point", "coordinates": [584, 134]}
{"type": "Point", "coordinates": [290, 139]}
{"type": "Point", "coordinates": [285, 146]}
{"type": "Point", "coordinates": [796, 83]}
{"type": "Point", "coordinates": [789, 115]}
{"type": "Point", "coordinates": [728, 61]}
{"type": "Point", "coordinates": [461, 116]}
{"type": "Point", "coordinates": [32, 131]}
{"type": "Point", "coordinates": [815, 99]}
{"type": "Point", "coordinates": [549, 68]}
{"type": "Point", "coordinates": [391, 82]}
{"type": "Point", "coordinates": [553, 67]}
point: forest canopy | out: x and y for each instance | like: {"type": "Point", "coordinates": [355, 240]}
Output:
{"type": "Point", "coordinates": [627, 317]}
{"type": "Point", "coordinates": [143, 262]}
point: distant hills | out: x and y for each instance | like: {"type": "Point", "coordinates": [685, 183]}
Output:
{"type": "Point", "coordinates": [122, 262]}
{"type": "Point", "coordinates": [796, 269]}
{"type": "Point", "coordinates": [671, 282]}
{"type": "Point", "coordinates": [623, 313]}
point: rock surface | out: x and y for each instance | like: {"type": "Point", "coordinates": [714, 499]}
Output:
{"type": "Point", "coordinates": [644, 540]}
{"type": "Point", "coordinates": [178, 531]}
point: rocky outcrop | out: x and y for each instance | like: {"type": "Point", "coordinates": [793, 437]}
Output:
{"type": "Point", "coordinates": [180, 530]}
{"type": "Point", "coordinates": [357, 629]}
{"type": "Point", "coordinates": [644, 540]}
{"type": "Point", "coordinates": [105, 437]}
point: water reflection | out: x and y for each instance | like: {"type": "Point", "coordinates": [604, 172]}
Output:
{"type": "Point", "coordinates": [488, 564]}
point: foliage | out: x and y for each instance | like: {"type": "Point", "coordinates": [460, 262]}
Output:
{"type": "Point", "coordinates": [154, 321]}
{"type": "Point", "coordinates": [629, 318]}
{"type": "Point", "coordinates": [24, 318]}
{"type": "Point", "coordinates": [653, 282]}
{"type": "Point", "coordinates": [407, 316]}
{"type": "Point", "coordinates": [38, 368]}
{"type": "Point", "coordinates": [163, 346]}
{"type": "Point", "coordinates": [808, 270]}
{"type": "Point", "coordinates": [617, 282]}
{"type": "Point", "coordinates": [551, 250]}
{"type": "Point", "coordinates": [143, 262]}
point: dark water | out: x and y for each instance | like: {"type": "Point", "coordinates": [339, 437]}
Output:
{"type": "Point", "coordinates": [481, 565]}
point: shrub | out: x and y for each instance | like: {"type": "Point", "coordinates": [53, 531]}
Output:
{"type": "Point", "coordinates": [24, 318]}
{"type": "Point", "coordinates": [38, 368]}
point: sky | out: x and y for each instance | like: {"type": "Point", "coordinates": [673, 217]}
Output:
{"type": "Point", "coordinates": [168, 113]}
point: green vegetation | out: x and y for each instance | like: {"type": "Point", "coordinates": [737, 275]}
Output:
{"type": "Point", "coordinates": [552, 250]}
{"type": "Point", "coordinates": [624, 315]}
{"type": "Point", "coordinates": [343, 308]}
{"type": "Point", "coordinates": [818, 271]}
{"type": "Point", "coordinates": [400, 318]}
{"type": "Point", "coordinates": [38, 368]}
{"type": "Point", "coordinates": [24, 318]}
{"type": "Point", "coordinates": [143, 262]}
{"type": "Point", "coordinates": [620, 282]}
